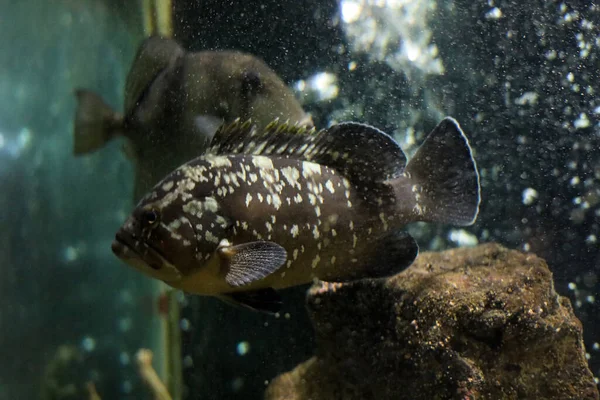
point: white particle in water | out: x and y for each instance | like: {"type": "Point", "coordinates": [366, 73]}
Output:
{"type": "Point", "coordinates": [591, 239]}
{"type": "Point", "coordinates": [124, 358]}
{"type": "Point", "coordinates": [125, 324]}
{"type": "Point", "coordinates": [126, 387]}
{"type": "Point", "coordinates": [188, 362]}
{"type": "Point", "coordinates": [243, 348]}
{"type": "Point", "coordinates": [237, 384]}
{"type": "Point", "coordinates": [88, 343]}
{"type": "Point", "coordinates": [350, 10]}
{"type": "Point", "coordinates": [494, 13]}
{"type": "Point", "coordinates": [529, 196]}
{"type": "Point", "coordinates": [582, 122]}
{"type": "Point", "coordinates": [590, 299]}
{"type": "Point", "coordinates": [185, 325]}
{"type": "Point", "coordinates": [572, 286]}
{"type": "Point", "coordinates": [462, 238]}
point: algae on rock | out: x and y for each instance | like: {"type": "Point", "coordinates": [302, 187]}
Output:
{"type": "Point", "coordinates": [477, 323]}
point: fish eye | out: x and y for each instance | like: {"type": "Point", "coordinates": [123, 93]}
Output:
{"type": "Point", "coordinates": [150, 217]}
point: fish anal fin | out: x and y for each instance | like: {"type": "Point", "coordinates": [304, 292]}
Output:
{"type": "Point", "coordinates": [95, 122]}
{"type": "Point", "coordinates": [392, 254]}
{"type": "Point", "coordinates": [250, 262]}
{"type": "Point", "coordinates": [262, 300]}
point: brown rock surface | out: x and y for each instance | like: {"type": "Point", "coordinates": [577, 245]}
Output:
{"type": "Point", "coordinates": [479, 323]}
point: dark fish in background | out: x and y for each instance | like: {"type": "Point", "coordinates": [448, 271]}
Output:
{"type": "Point", "coordinates": [278, 207]}
{"type": "Point", "coordinates": [174, 103]}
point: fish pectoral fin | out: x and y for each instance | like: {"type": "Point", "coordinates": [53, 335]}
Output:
{"type": "Point", "coordinates": [262, 300]}
{"type": "Point", "coordinates": [250, 262]}
{"type": "Point", "coordinates": [392, 254]}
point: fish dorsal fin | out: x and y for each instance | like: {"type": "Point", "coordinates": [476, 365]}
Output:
{"type": "Point", "coordinates": [360, 152]}
{"type": "Point", "coordinates": [244, 138]}
{"type": "Point", "coordinates": [363, 154]}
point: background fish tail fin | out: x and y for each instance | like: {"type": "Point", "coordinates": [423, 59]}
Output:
{"type": "Point", "coordinates": [441, 183]}
{"type": "Point", "coordinates": [95, 122]}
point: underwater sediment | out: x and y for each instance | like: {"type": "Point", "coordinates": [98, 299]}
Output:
{"type": "Point", "coordinates": [470, 323]}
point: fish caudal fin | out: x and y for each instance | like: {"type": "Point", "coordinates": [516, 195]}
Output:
{"type": "Point", "coordinates": [440, 183]}
{"type": "Point", "coordinates": [95, 122]}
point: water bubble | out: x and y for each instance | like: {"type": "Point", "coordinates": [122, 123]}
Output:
{"type": "Point", "coordinates": [462, 238]}
{"type": "Point", "coordinates": [88, 343]}
{"type": "Point", "coordinates": [125, 324]}
{"type": "Point", "coordinates": [185, 325]}
{"type": "Point", "coordinates": [243, 348]}
{"type": "Point", "coordinates": [529, 196]}
{"type": "Point", "coordinates": [124, 358]}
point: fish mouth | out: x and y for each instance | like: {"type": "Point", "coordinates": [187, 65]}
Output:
{"type": "Point", "coordinates": [143, 257]}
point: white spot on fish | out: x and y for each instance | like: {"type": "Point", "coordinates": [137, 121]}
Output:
{"type": "Point", "coordinates": [174, 224]}
{"type": "Point", "coordinates": [313, 199]}
{"type": "Point", "coordinates": [276, 201]}
{"type": "Point", "coordinates": [383, 221]}
{"type": "Point", "coordinates": [269, 226]}
{"type": "Point", "coordinates": [332, 260]}
{"type": "Point", "coordinates": [210, 237]}
{"type": "Point", "coordinates": [186, 242]}
{"type": "Point", "coordinates": [329, 186]}
{"type": "Point", "coordinates": [210, 204]}
{"type": "Point", "coordinates": [260, 197]}
{"type": "Point", "coordinates": [349, 204]}
{"type": "Point", "coordinates": [222, 222]}
{"type": "Point", "coordinates": [333, 233]}
{"type": "Point", "coordinates": [318, 211]}
{"type": "Point", "coordinates": [309, 169]}
{"type": "Point", "coordinates": [273, 218]}
{"type": "Point", "coordinates": [253, 177]}
{"type": "Point", "coordinates": [291, 174]}
{"type": "Point", "coordinates": [295, 254]}
{"type": "Point", "coordinates": [217, 161]}
{"type": "Point", "coordinates": [193, 207]}
{"type": "Point", "coordinates": [262, 162]}
{"type": "Point", "coordinates": [289, 264]}
{"type": "Point", "coordinates": [315, 261]}
{"type": "Point", "coordinates": [294, 231]}
{"type": "Point", "coordinates": [248, 199]}
{"type": "Point", "coordinates": [354, 240]}
{"type": "Point", "coordinates": [298, 198]}
{"type": "Point", "coordinates": [316, 232]}
{"type": "Point", "coordinates": [167, 186]}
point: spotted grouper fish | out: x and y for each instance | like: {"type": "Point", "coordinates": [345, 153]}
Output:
{"type": "Point", "coordinates": [271, 208]}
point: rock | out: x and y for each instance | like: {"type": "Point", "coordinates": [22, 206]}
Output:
{"type": "Point", "coordinates": [478, 323]}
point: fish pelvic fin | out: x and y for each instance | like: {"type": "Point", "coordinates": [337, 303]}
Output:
{"type": "Point", "coordinates": [95, 122]}
{"type": "Point", "coordinates": [441, 182]}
